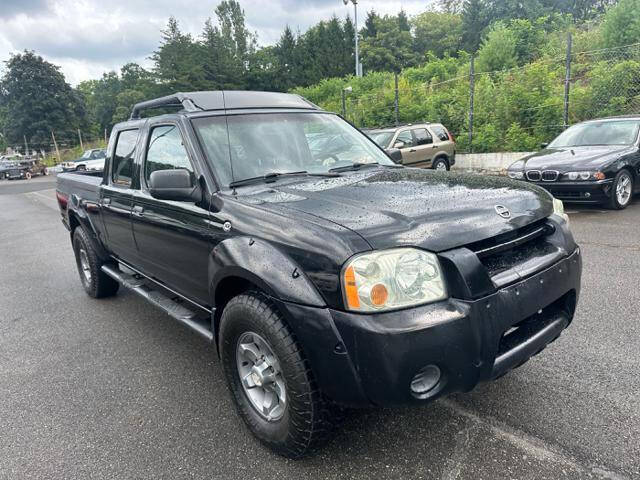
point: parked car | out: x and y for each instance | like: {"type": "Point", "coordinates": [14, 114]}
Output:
{"type": "Point", "coordinates": [592, 162]}
{"type": "Point", "coordinates": [5, 167]}
{"type": "Point", "coordinates": [355, 282]}
{"type": "Point", "coordinates": [24, 169]}
{"type": "Point", "coordinates": [426, 145]}
{"type": "Point", "coordinates": [91, 160]}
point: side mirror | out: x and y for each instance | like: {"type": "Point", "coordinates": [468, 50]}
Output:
{"type": "Point", "coordinates": [395, 155]}
{"type": "Point", "coordinates": [398, 145]}
{"type": "Point", "coordinates": [544, 145]}
{"type": "Point", "coordinates": [177, 185]}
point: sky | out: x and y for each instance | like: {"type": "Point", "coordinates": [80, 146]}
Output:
{"type": "Point", "coordinates": [88, 37]}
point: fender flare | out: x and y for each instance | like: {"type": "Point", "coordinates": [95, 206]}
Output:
{"type": "Point", "coordinates": [264, 265]}
{"type": "Point", "coordinates": [78, 215]}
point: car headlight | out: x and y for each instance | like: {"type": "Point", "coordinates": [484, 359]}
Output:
{"type": "Point", "coordinates": [573, 176]}
{"type": "Point", "coordinates": [391, 279]}
{"type": "Point", "coordinates": [515, 174]}
{"type": "Point", "coordinates": [558, 209]}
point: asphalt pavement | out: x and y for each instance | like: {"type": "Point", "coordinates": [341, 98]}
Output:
{"type": "Point", "coordinates": [116, 389]}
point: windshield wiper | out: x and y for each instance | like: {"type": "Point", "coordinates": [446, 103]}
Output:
{"type": "Point", "coordinates": [273, 176]}
{"type": "Point", "coordinates": [354, 166]}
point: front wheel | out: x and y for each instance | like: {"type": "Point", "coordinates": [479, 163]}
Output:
{"type": "Point", "coordinates": [440, 164]}
{"type": "Point", "coordinates": [621, 191]}
{"type": "Point", "coordinates": [270, 381]}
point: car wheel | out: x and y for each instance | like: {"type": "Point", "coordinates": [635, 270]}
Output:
{"type": "Point", "coordinates": [95, 282]}
{"type": "Point", "coordinates": [270, 381]}
{"type": "Point", "coordinates": [440, 164]}
{"type": "Point", "coordinates": [27, 175]}
{"type": "Point", "coordinates": [81, 168]}
{"type": "Point", "coordinates": [621, 190]}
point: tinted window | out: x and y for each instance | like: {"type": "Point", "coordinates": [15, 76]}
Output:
{"type": "Point", "coordinates": [440, 132]}
{"type": "Point", "coordinates": [406, 138]}
{"type": "Point", "coordinates": [122, 168]}
{"type": "Point", "coordinates": [422, 136]}
{"type": "Point", "coordinates": [166, 151]}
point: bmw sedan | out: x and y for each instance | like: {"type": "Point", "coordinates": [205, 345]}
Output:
{"type": "Point", "coordinates": [592, 162]}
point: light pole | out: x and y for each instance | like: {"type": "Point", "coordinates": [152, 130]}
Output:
{"type": "Point", "coordinates": [355, 14]}
{"type": "Point", "coordinates": [345, 90]}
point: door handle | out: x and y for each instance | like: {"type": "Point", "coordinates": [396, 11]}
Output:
{"type": "Point", "coordinates": [137, 210]}
{"type": "Point", "coordinates": [412, 150]}
{"type": "Point", "coordinates": [435, 146]}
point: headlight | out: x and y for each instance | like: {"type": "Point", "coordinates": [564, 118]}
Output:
{"type": "Point", "coordinates": [573, 176]}
{"type": "Point", "coordinates": [515, 174]}
{"type": "Point", "coordinates": [391, 279]}
{"type": "Point", "coordinates": [558, 209]}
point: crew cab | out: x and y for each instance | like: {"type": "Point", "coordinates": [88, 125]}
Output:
{"type": "Point", "coordinates": [325, 277]}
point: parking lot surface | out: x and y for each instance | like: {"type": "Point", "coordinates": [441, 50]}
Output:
{"type": "Point", "coordinates": [116, 389]}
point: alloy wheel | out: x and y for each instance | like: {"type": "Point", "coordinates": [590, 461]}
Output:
{"type": "Point", "coordinates": [261, 376]}
{"type": "Point", "coordinates": [623, 189]}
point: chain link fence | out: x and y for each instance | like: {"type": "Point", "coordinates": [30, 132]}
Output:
{"type": "Point", "coordinates": [508, 110]}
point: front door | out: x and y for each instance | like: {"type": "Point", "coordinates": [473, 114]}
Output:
{"type": "Point", "coordinates": [172, 237]}
{"type": "Point", "coordinates": [404, 141]}
{"type": "Point", "coordinates": [116, 197]}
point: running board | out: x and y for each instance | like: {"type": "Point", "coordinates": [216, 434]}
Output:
{"type": "Point", "coordinates": [174, 309]}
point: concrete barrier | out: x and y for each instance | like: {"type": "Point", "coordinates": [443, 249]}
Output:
{"type": "Point", "coordinates": [490, 163]}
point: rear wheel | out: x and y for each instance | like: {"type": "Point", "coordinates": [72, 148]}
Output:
{"type": "Point", "coordinates": [440, 164]}
{"type": "Point", "coordinates": [622, 190]}
{"type": "Point", "coordinates": [81, 168]}
{"type": "Point", "coordinates": [270, 381]}
{"type": "Point", "coordinates": [95, 282]}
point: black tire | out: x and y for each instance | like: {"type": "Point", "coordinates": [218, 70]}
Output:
{"type": "Point", "coordinates": [308, 417]}
{"type": "Point", "coordinates": [81, 168]}
{"type": "Point", "coordinates": [615, 202]}
{"type": "Point", "coordinates": [95, 282]}
{"type": "Point", "coordinates": [440, 161]}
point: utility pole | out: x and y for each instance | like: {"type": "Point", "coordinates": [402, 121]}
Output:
{"type": "Point", "coordinates": [345, 90]}
{"type": "Point", "coordinates": [26, 146]}
{"type": "Point", "coordinates": [80, 137]}
{"type": "Point", "coordinates": [397, 101]}
{"type": "Point", "coordinates": [355, 15]}
{"type": "Point", "coordinates": [55, 144]}
{"type": "Point", "coordinates": [472, 86]}
{"type": "Point", "coordinates": [567, 81]}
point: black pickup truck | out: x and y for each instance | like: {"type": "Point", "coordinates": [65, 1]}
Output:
{"type": "Point", "coordinates": [325, 278]}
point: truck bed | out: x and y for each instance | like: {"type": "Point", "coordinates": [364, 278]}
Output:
{"type": "Point", "coordinates": [85, 185]}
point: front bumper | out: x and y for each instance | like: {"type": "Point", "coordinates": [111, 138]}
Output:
{"type": "Point", "coordinates": [371, 359]}
{"type": "Point", "coordinates": [579, 192]}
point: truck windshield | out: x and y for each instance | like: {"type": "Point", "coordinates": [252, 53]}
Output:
{"type": "Point", "coordinates": [252, 145]}
{"type": "Point", "coordinates": [609, 132]}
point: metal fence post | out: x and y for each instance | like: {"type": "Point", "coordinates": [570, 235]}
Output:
{"type": "Point", "coordinates": [471, 95]}
{"type": "Point", "coordinates": [567, 81]}
{"type": "Point", "coordinates": [397, 101]}
{"type": "Point", "coordinates": [344, 104]}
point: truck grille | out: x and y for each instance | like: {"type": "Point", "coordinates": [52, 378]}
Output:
{"type": "Point", "coordinates": [502, 253]}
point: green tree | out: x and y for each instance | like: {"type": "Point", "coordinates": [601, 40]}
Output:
{"type": "Point", "coordinates": [474, 21]}
{"type": "Point", "coordinates": [390, 50]}
{"type": "Point", "coordinates": [36, 100]}
{"type": "Point", "coordinates": [621, 24]}
{"type": "Point", "coordinates": [437, 32]}
{"type": "Point", "coordinates": [498, 50]}
{"type": "Point", "coordinates": [370, 29]}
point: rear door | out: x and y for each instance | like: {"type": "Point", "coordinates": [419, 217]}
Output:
{"type": "Point", "coordinates": [172, 237]}
{"type": "Point", "coordinates": [116, 194]}
{"type": "Point", "coordinates": [424, 147]}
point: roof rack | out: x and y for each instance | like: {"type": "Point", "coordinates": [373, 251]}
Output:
{"type": "Point", "coordinates": [175, 100]}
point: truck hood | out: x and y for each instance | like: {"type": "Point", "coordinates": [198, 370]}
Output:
{"type": "Point", "coordinates": [436, 211]}
{"type": "Point", "coordinates": [575, 158]}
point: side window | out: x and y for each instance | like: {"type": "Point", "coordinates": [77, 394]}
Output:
{"type": "Point", "coordinates": [406, 138]}
{"type": "Point", "coordinates": [122, 165]}
{"type": "Point", "coordinates": [441, 133]}
{"type": "Point", "coordinates": [422, 136]}
{"type": "Point", "coordinates": [166, 151]}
